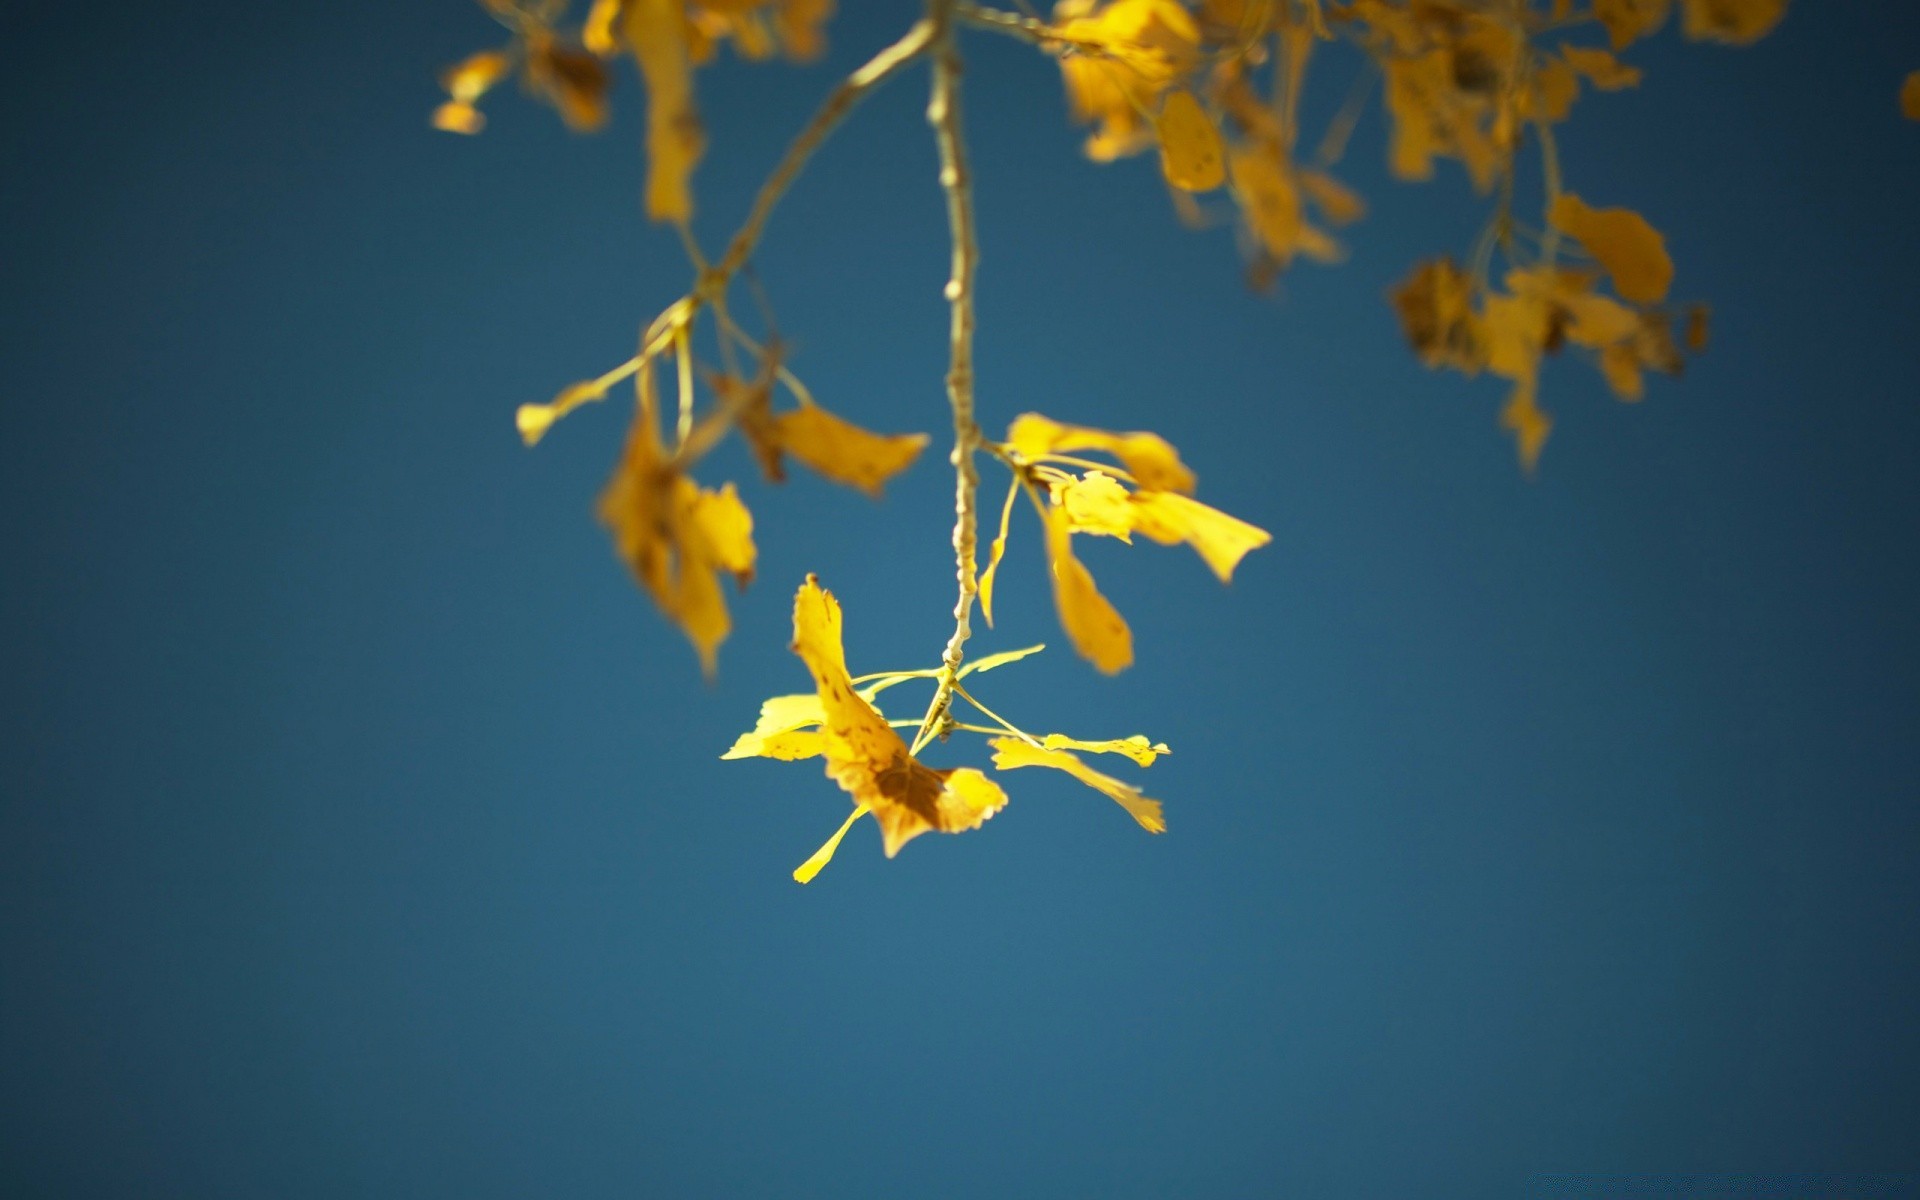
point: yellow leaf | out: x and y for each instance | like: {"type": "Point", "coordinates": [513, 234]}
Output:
{"type": "Point", "coordinates": [863, 753]}
{"type": "Point", "coordinates": [794, 744]}
{"type": "Point", "coordinates": [1697, 319]}
{"type": "Point", "coordinates": [1192, 156]}
{"type": "Point", "coordinates": [998, 550]}
{"type": "Point", "coordinates": [1001, 659]}
{"type": "Point", "coordinates": [1601, 68]}
{"type": "Point", "coordinates": [1436, 313]}
{"type": "Point", "coordinates": [471, 78]}
{"type": "Point", "coordinates": [1095, 504]}
{"type": "Point", "coordinates": [1268, 199]}
{"type": "Point", "coordinates": [1221, 541]}
{"type": "Point", "coordinates": [601, 33]}
{"type": "Point", "coordinates": [782, 731]}
{"type": "Point", "coordinates": [844, 452]}
{"type": "Point", "coordinates": [1011, 753]}
{"type": "Point", "coordinates": [1597, 321]}
{"type": "Point", "coordinates": [1739, 22]}
{"type": "Point", "coordinates": [1632, 251]}
{"type": "Point", "coordinates": [572, 80]}
{"type": "Point", "coordinates": [1528, 424]}
{"type": "Point", "coordinates": [677, 536]}
{"type": "Point", "coordinates": [805, 872]}
{"type": "Point", "coordinates": [658, 33]}
{"type": "Point", "coordinates": [1910, 97]}
{"type": "Point", "coordinates": [1138, 49]}
{"type": "Point", "coordinates": [1146, 456]}
{"type": "Point", "coordinates": [1551, 92]}
{"type": "Point", "coordinates": [1629, 20]}
{"type": "Point", "coordinates": [1516, 330]}
{"type": "Point", "coordinates": [1096, 630]}
{"type": "Point", "coordinates": [1338, 203]}
{"type": "Point", "coordinates": [1621, 368]}
{"type": "Point", "coordinates": [457, 116]}
{"type": "Point", "coordinates": [1137, 747]}
{"type": "Point", "coordinates": [797, 23]}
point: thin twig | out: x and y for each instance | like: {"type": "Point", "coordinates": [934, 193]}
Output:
{"type": "Point", "coordinates": [943, 113]}
{"type": "Point", "coordinates": [832, 111]}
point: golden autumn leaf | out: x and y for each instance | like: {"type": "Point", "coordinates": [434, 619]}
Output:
{"type": "Point", "coordinates": [1221, 541]}
{"type": "Point", "coordinates": [1137, 747]}
{"type": "Point", "coordinates": [863, 753]}
{"type": "Point", "coordinates": [1094, 504]}
{"type": "Point", "coordinates": [1738, 22]}
{"type": "Point", "coordinates": [465, 82]}
{"type": "Point", "coordinates": [1093, 625]}
{"type": "Point", "coordinates": [657, 32]}
{"type": "Point", "coordinates": [1146, 456]}
{"type": "Point", "coordinates": [1698, 318]}
{"type": "Point", "coordinates": [834, 448]}
{"type": "Point", "coordinates": [783, 730]}
{"type": "Point", "coordinates": [1192, 156]}
{"type": "Point", "coordinates": [1627, 21]}
{"type": "Point", "coordinates": [1337, 202]}
{"type": "Point", "coordinates": [1910, 97]}
{"type": "Point", "coordinates": [1437, 315]}
{"type": "Point", "coordinates": [1011, 753]}
{"type": "Point", "coordinates": [1600, 68]}
{"type": "Point", "coordinates": [1632, 251]}
{"type": "Point", "coordinates": [1270, 201]}
{"type": "Point", "coordinates": [842, 451]}
{"type": "Point", "coordinates": [678, 538]}
{"type": "Point", "coordinates": [1126, 54]}
{"type": "Point", "coordinates": [573, 81]}
{"type": "Point", "coordinates": [1529, 425]}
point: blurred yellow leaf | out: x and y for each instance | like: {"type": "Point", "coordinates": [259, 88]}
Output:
{"type": "Point", "coordinates": [1910, 97]}
{"type": "Point", "coordinates": [1528, 424]}
{"type": "Point", "coordinates": [1739, 22]}
{"type": "Point", "coordinates": [678, 537]}
{"type": "Point", "coordinates": [1602, 69]}
{"type": "Point", "coordinates": [1629, 20]}
{"type": "Point", "coordinates": [1436, 313]}
{"type": "Point", "coordinates": [657, 32]}
{"type": "Point", "coordinates": [1192, 156]}
{"type": "Point", "coordinates": [1632, 251]}
{"type": "Point", "coordinates": [573, 80]}
{"type": "Point", "coordinates": [844, 452]}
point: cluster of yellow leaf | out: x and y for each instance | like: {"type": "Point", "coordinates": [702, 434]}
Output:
{"type": "Point", "coordinates": [668, 39]}
{"type": "Point", "coordinates": [1455, 320]}
{"type": "Point", "coordinates": [839, 723]}
{"type": "Point", "coordinates": [1216, 85]}
{"type": "Point", "coordinates": [679, 538]}
{"type": "Point", "coordinates": [1148, 493]}
{"type": "Point", "coordinates": [557, 70]}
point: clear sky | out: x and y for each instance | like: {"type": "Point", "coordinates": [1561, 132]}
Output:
{"type": "Point", "coordinates": [361, 826]}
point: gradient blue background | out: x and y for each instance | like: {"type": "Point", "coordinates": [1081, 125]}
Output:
{"type": "Point", "coordinates": [361, 829]}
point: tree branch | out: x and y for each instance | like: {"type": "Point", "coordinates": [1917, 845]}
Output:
{"type": "Point", "coordinates": [834, 109]}
{"type": "Point", "coordinates": [943, 113]}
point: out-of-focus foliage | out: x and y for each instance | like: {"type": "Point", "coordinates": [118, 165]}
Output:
{"type": "Point", "coordinates": [1477, 90]}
